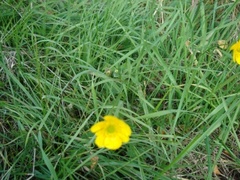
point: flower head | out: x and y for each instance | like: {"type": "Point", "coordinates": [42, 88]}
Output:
{"type": "Point", "coordinates": [236, 52]}
{"type": "Point", "coordinates": [111, 133]}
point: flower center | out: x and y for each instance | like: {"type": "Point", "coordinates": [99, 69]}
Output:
{"type": "Point", "coordinates": [110, 129]}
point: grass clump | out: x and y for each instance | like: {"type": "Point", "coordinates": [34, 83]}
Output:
{"type": "Point", "coordinates": [157, 65]}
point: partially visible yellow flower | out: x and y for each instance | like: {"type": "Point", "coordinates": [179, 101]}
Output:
{"type": "Point", "coordinates": [111, 133]}
{"type": "Point", "coordinates": [236, 52]}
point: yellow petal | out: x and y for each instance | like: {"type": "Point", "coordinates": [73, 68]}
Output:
{"type": "Point", "coordinates": [237, 58]}
{"type": "Point", "coordinates": [124, 138]}
{"type": "Point", "coordinates": [125, 129]}
{"type": "Point", "coordinates": [112, 142]}
{"type": "Point", "coordinates": [101, 133]}
{"type": "Point", "coordinates": [236, 52]}
{"type": "Point", "coordinates": [100, 141]}
{"type": "Point", "coordinates": [98, 126]}
{"type": "Point", "coordinates": [110, 118]}
{"type": "Point", "coordinates": [235, 46]}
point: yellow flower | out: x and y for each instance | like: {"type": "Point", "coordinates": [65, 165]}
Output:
{"type": "Point", "coordinates": [111, 133]}
{"type": "Point", "coordinates": [236, 52]}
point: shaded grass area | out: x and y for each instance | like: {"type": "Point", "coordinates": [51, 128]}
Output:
{"type": "Point", "coordinates": [158, 65]}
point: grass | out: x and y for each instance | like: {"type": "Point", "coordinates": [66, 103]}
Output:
{"type": "Point", "coordinates": [155, 64]}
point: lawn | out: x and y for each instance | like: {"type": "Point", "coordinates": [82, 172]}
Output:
{"type": "Point", "coordinates": [164, 67]}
